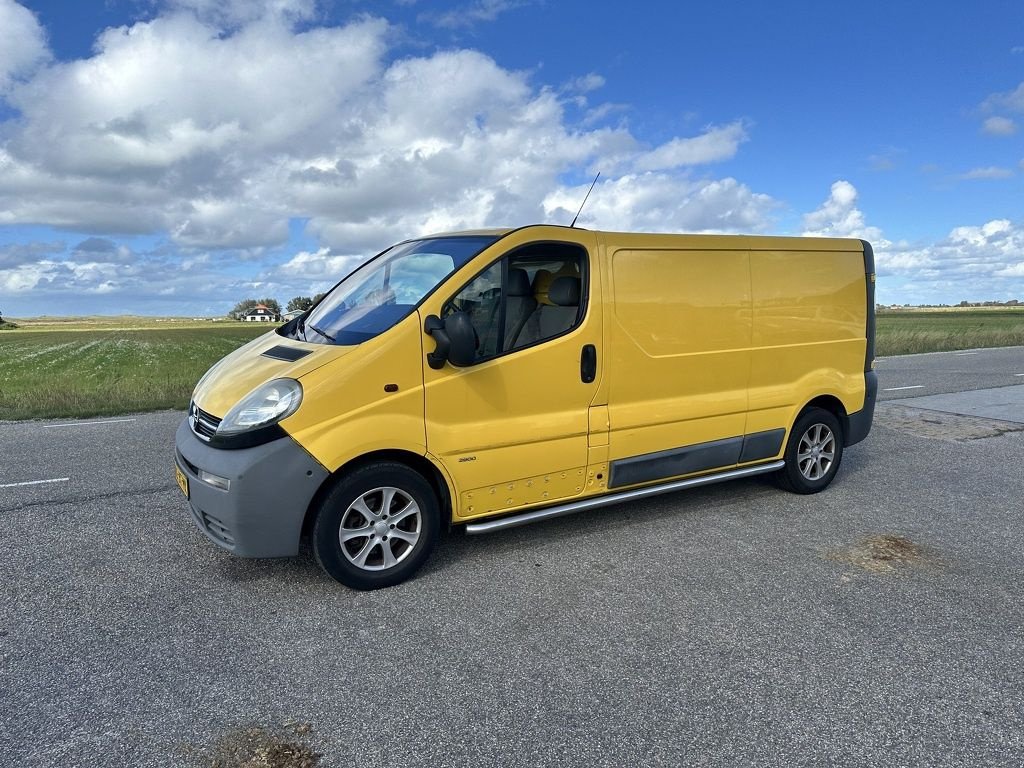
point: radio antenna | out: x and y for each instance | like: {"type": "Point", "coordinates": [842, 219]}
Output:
{"type": "Point", "coordinates": [585, 200]}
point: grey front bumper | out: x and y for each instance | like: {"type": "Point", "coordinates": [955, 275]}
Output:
{"type": "Point", "coordinates": [271, 486]}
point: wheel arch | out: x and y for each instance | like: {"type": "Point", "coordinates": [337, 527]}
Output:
{"type": "Point", "coordinates": [414, 461]}
{"type": "Point", "coordinates": [833, 405]}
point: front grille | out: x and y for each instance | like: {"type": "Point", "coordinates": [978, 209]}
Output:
{"type": "Point", "coordinates": [203, 424]}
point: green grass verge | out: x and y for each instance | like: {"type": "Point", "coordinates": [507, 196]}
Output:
{"type": "Point", "coordinates": [79, 367]}
{"type": "Point", "coordinates": [915, 331]}
{"type": "Point", "coordinates": [79, 373]}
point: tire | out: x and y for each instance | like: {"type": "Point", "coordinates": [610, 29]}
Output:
{"type": "Point", "coordinates": [813, 453]}
{"type": "Point", "coordinates": [377, 526]}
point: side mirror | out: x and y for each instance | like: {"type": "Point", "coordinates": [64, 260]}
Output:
{"type": "Point", "coordinates": [456, 340]}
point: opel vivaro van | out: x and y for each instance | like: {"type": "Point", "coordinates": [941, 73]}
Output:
{"type": "Point", "coordinates": [494, 378]}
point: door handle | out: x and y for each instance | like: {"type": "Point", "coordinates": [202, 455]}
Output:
{"type": "Point", "coordinates": [588, 363]}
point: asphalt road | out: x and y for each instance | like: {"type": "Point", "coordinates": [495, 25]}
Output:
{"type": "Point", "coordinates": [730, 625]}
{"type": "Point", "coordinates": [941, 372]}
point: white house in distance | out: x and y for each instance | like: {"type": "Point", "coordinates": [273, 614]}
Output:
{"type": "Point", "coordinates": [261, 314]}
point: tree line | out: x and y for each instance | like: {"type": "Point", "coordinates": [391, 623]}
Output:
{"type": "Point", "coordinates": [300, 303]}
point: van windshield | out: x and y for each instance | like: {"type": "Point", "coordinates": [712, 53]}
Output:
{"type": "Point", "coordinates": [386, 289]}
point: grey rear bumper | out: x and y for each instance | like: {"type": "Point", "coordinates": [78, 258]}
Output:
{"type": "Point", "coordinates": [859, 424]}
{"type": "Point", "coordinates": [271, 486]}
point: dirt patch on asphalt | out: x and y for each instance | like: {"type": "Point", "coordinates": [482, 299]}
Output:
{"type": "Point", "coordinates": [941, 425]}
{"type": "Point", "coordinates": [264, 748]}
{"type": "Point", "coordinates": [883, 553]}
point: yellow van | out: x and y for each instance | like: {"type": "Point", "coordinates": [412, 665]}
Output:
{"type": "Point", "coordinates": [494, 378]}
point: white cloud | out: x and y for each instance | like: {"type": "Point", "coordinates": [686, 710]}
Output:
{"type": "Point", "coordinates": [214, 126]}
{"type": "Point", "coordinates": [102, 249]}
{"type": "Point", "coordinates": [886, 159]}
{"type": "Point", "coordinates": [237, 12]}
{"type": "Point", "coordinates": [218, 135]}
{"type": "Point", "coordinates": [589, 82]}
{"type": "Point", "coordinates": [1009, 101]}
{"type": "Point", "coordinates": [1014, 270]}
{"type": "Point", "coordinates": [470, 15]}
{"type": "Point", "coordinates": [16, 254]}
{"type": "Point", "coordinates": [22, 43]}
{"type": "Point", "coordinates": [989, 172]}
{"type": "Point", "coordinates": [974, 262]}
{"type": "Point", "coordinates": [657, 202]}
{"type": "Point", "coordinates": [106, 282]}
{"type": "Point", "coordinates": [839, 216]}
{"type": "Point", "coordinates": [1012, 101]}
{"type": "Point", "coordinates": [319, 265]}
{"type": "Point", "coordinates": [173, 126]}
{"type": "Point", "coordinates": [999, 126]}
{"type": "Point", "coordinates": [230, 225]}
{"type": "Point", "coordinates": [717, 143]}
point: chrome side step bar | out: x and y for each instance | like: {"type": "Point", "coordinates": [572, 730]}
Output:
{"type": "Point", "coordinates": [514, 521]}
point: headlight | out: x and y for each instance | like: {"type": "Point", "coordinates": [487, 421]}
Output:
{"type": "Point", "coordinates": [267, 404]}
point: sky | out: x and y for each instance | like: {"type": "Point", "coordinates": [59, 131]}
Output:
{"type": "Point", "coordinates": [173, 157]}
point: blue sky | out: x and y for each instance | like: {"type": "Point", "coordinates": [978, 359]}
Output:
{"type": "Point", "coordinates": [175, 157]}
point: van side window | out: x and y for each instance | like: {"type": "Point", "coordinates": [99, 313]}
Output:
{"type": "Point", "coordinates": [534, 294]}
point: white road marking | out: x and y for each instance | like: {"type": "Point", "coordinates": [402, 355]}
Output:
{"type": "Point", "coordinates": [961, 354]}
{"type": "Point", "coordinates": [36, 482]}
{"type": "Point", "coordinates": [86, 423]}
{"type": "Point", "coordinates": [896, 389]}
{"type": "Point", "coordinates": [1018, 374]}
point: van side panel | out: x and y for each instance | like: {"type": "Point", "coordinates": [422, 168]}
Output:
{"type": "Point", "coordinates": [809, 312]}
{"type": "Point", "coordinates": [679, 343]}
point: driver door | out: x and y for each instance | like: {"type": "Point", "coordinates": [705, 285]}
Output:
{"type": "Point", "coordinates": [512, 427]}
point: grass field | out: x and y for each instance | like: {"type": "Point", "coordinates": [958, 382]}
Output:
{"type": "Point", "coordinates": [78, 367]}
{"type": "Point", "coordinates": [77, 372]}
{"type": "Point", "coordinates": [907, 332]}
{"type": "Point", "coordinates": [119, 323]}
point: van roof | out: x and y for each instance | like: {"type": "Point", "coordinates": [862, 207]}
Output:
{"type": "Point", "coordinates": [709, 241]}
{"type": "Point", "coordinates": [494, 232]}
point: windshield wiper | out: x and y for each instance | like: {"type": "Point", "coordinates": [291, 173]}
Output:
{"type": "Point", "coordinates": [322, 333]}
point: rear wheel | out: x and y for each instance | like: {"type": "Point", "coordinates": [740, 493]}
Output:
{"type": "Point", "coordinates": [813, 453]}
{"type": "Point", "coordinates": [377, 526]}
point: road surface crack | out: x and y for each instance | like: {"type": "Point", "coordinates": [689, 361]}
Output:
{"type": "Point", "coordinates": [94, 497]}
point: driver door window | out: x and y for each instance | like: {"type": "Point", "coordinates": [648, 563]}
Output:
{"type": "Point", "coordinates": [481, 300]}
{"type": "Point", "coordinates": [528, 297]}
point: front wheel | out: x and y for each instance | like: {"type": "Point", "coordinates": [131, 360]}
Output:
{"type": "Point", "coordinates": [377, 526]}
{"type": "Point", "coordinates": [813, 453]}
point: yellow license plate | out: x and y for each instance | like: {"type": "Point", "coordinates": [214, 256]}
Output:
{"type": "Point", "coordinates": [182, 479]}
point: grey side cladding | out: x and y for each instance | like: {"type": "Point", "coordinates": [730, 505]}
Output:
{"type": "Point", "coordinates": [675, 461]}
{"type": "Point", "coordinates": [699, 457]}
{"type": "Point", "coordinates": [762, 445]}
